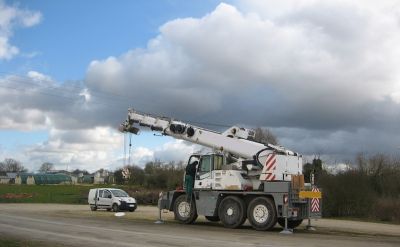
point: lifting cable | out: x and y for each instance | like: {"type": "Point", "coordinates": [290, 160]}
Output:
{"type": "Point", "coordinates": [130, 146]}
{"type": "Point", "coordinates": [124, 159]}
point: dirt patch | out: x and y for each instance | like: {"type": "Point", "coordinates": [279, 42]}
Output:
{"type": "Point", "coordinates": [16, 196]}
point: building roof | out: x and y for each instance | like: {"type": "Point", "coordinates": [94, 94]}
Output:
{"type": "Point", "coordinates": [11, 174]}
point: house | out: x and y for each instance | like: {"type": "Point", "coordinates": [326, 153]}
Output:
{"type": "Point", "coordinates": [103, 176]}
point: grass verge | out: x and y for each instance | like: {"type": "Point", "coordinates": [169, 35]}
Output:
{"type": "Point", "coordinates": [67, 194]}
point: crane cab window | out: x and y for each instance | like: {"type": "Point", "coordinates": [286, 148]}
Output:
{"type": "Point", "coordinates": [205, 164]}
{"type": "Point", "coordinates": [218, 162]}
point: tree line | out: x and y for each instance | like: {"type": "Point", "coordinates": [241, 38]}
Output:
{"type": "Point", "coordinates": [11, 165]}
{"type": "Point", "coordinates": [154, 175]}
{"type": "Point", "coordinates": [370, 188]}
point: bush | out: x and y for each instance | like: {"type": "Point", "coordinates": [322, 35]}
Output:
{"type": "Point", "coordinates": [370, 190]}
{"type": "Point", "coordinates": [347, 194]}
{"type": "Point", "coordinates": [387, 209]}
{"type": "Point", "coordinates": [144, 197]}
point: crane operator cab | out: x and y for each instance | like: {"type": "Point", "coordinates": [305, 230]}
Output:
{"type": "Point", "coordinates": [214, 174]}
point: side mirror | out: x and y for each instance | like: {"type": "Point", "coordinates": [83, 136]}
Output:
{"type": "Point", "coordinates": [110, 196]}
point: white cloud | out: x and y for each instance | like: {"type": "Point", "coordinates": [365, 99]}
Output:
{"type": "Point", "coordinates": [39, 77]}
{"type": "Point", "coordinates": [140, 156]}
{"type": "Point", "coordinates": [175, 150]}
{"type": "Point", "coordinates": [89, 149]}
{"type": "Point", "coordinates": [11, 17]}
{"type": "Point", "coordinates": [231, 61]}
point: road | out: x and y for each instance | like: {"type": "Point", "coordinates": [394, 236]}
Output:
{"type": "Point", "coordinates": [76, 225]}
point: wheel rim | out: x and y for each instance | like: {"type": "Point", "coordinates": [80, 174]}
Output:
{"type": "Point", "coordinates": [184, 209]}
{"type": "Point", "coordinates": [229, 211]}
{"type": "Point", "coordinates": [260, 214]}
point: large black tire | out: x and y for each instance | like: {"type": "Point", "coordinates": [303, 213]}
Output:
{"type": "Point", "coordinates": [232, 211]}
{"type": "Point", "coordinates": [291, 223]}
{"type": "Point", "coordinates": [115, 207]}
{"type": "Point", "coordinates": [261, 213]}
{"type": "Point", "coordinates": [212, 218]}
{"type": "Point", "coordinates": [185, 212]}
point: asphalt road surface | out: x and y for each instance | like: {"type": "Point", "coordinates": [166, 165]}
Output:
{"type": "Point", "coordinates": [76, 225]}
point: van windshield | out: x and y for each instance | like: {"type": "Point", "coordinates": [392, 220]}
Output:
{"type": "Point", "coordinates": [119, 193]}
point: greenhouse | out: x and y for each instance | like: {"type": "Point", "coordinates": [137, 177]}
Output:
{"type": "Point", "coordinates": [30, 178]}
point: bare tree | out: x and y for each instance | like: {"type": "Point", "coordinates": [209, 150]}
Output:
{"type": "Point", "coordinates": [264, 135]}
{"type": "Point", "coordinates": [11, 165]}
{"type": "Point", "coordinates": [46, 167]}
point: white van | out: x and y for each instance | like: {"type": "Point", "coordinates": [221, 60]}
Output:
{"type": "Point", "coordinates": [111, 199]}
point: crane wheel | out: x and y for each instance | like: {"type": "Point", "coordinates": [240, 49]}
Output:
{"type": "Point", "coordinates": [232, 211]}
{"type": "Point", "coordinates": [261, 213]}
{"type": "Point", "coordinates": [184, 211]}
{"type": "Point", "coordinates": [291, 223]}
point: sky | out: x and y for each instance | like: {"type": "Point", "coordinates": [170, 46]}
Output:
{"type": "Point", "coordinates": [323, 76]}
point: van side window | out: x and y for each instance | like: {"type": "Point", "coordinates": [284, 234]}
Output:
{"type": "Point", "coordinates": [106, 194]}
{"type": "Point", "coordinates": [100, 193]}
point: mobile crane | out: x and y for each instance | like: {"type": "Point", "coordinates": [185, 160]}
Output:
{"type": "Point", "coordinates": [241, 179]}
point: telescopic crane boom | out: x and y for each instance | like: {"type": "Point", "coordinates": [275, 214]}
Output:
{"type": "Point", "coordinates": [235, 141]}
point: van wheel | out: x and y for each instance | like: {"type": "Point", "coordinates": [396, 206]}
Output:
{"type": "Point", "coordinates": [132, 210]}
{"type": "Point", "coordinates": [185, 212]}
{"type": "Point", "coordinates": [262, 213]}
{"type": "Point", "coordinates": [291, 223]}
{"type": "Point", "coordinates": [232, 211]}
{"type": "Point", "coordinates": [115, 207]}
{"type": "Point", "coordinates": [93, 208]}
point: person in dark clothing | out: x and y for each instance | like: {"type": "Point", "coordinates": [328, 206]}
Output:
{"type": "Point", "coordinates": [189, 178]}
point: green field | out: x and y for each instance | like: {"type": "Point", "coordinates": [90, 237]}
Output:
{"type": "Point", "coordinates": [70, 194]}
{"type": "Point", "coordinates": [66, 194]}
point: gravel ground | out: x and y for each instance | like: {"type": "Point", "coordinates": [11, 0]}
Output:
{"type": "Point", "coordinates": [75, 225]}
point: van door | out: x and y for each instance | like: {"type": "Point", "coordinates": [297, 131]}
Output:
{"type": "Point", "coordinates": [99, 194]}
{"type": "Point", "coordinates": [105, 199]}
